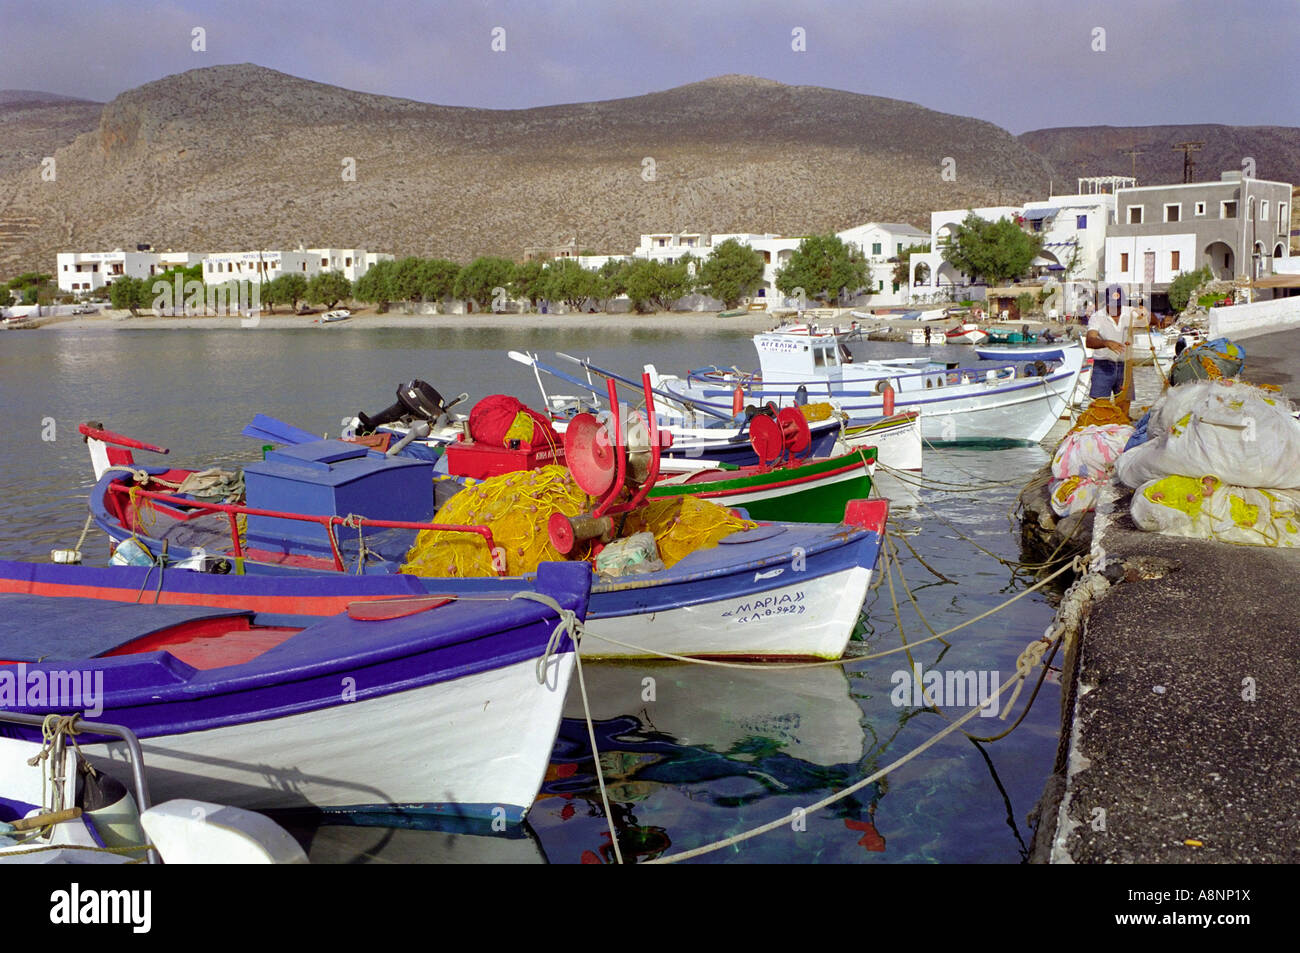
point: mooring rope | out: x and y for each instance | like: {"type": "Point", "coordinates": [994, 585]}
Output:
{"type": "Point", "coordinates": [570, 626]}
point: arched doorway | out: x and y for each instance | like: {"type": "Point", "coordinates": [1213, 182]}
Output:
{"type": "Point", "coordinates": [1218, 255]}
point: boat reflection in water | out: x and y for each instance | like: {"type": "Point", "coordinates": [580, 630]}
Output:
{"type": "Point", "coordinates": [731, 738]}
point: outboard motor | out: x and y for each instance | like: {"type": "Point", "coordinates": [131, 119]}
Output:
{"type": "Point", "coordinates": [415, 399]}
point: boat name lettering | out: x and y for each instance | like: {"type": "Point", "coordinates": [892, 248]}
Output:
{"type": "Point", "coordinates": [772, 605]}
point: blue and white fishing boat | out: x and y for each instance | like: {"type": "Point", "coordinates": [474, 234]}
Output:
{"type": "Point", "coordinates": [336, 510]}
{"type": "Point", "coordinates": [998, 406]}
{"type": "Point", "coordinates": [316, 694]}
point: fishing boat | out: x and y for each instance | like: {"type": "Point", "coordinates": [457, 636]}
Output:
{"type": "Point", "coordinates": [324, 695]}
{"type": "Point", "coordinates": [927, 336]}
{"type": "Point", "coordinates": [896, 439]}
{"type": "Point", "coordinates": [53, 812]}
{"type": "Point", "coordinates": [1006, 405]}
{"type": "Point", "coordinates": [966, 333]}
{"type": "Point", "coordinates": [785, 484]}
{"type": "Point", "coordinates": [697, 432]}
{"type": "Point", "coordinates": [344, 517]}
{"type": "Point", "coordinates": [330, 317]}
{"type": "Point", "coordinates": [1021, 352]}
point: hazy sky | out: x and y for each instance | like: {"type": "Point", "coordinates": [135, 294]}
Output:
{"type": "Point", "coordinates": [1020, 64]}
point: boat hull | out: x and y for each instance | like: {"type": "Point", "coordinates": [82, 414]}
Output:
{"type": "Point", "coordinates": [815, 492]}
{"type": "Point", "coordinates": [477, 747]}
{"type": "Point", "coordinates": [437, 710]}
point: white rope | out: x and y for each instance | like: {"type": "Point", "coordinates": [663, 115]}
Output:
{"type": "Point", "coordinates": [570, 626]}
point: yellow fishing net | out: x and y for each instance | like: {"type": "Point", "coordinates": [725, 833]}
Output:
{"type": "Point", "coordinates": [520, 429]}
{"type": "Point", "coordinates": [1101, 411]}
{"type": "Point", "coordinates": [516, 508]}
{"type": "Point", "coordinates": [815, 412]}
{"type": "Point", "coordinates": [683, 524]}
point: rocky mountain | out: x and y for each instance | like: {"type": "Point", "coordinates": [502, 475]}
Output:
{"type": "Point", "coordinates": [1081, 150]}
{"type": "Point", "coordinates": [239, 157]}
{"type": "Point", "coordinates": [234, 157]}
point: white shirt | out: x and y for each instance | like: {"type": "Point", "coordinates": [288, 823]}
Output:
{"type": "Point", "coordinates": [1107, 328]}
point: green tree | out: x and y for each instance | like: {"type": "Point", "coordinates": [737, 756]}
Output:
{"type": "Point", "coordinates": [528, 282]}
{"type": "Point", "coordinates": [824, 267]}
{"type": "Point", "coordinates": [408, 279]}
{"type": "Point", "coordinates": [328, 288]}
{"type": "Point", "coordinates": [563, 279]}
{"type": "Point", "coordinates": [6, 297]}
{"type": "Point", "coordinates": [1184, 283]}
{"type": "Point", "coordinates": [903, 263]}
{"type": "Point", "coordinates": [293, 288]}
{"type": "Point", "coordinates": [376, 285]}
{"type": "Point", "coordinates": [438, 279]}
{"type": "Point", "coordinates": [655, 285]}
{"type": "Point", "coordinates": [129, 294]}
{"type": "Point", "coordinates": [994, 251]}
{"type": "Point", "coordinates": [732, 272]}
{"type": "Point", "coordinates": [478, 280]}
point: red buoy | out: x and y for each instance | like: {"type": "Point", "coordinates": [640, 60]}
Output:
{"type": "Point", "coordinates": [888, 397]}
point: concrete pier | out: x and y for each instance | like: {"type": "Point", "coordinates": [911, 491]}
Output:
{"type": "Point", "coordinates": [1181, 720]}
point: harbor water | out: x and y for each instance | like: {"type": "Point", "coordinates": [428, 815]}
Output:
{"type": "Point", "coordinates": [691, 754]}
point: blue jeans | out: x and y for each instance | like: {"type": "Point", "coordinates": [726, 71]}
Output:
{"type": "Point", "coordinates": [1107, 378]}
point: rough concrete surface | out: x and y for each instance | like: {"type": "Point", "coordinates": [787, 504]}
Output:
{"type": "Point", "coordinates": [1183, 722]}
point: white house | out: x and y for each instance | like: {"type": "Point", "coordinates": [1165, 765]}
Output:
{"type": "Point", "coordinates": [82, 272]}
{"type": "Point", "coordinates": [267, 265]}
{"type": "Point", "coordinates": [880, 242]}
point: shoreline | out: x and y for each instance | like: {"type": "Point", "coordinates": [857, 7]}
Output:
{"type": "Point", "coordinates": [695, 322]}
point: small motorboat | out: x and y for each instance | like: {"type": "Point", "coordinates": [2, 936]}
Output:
{"type": "Point", "coordinates": [330, 317]}
{"type": "Point", "coordinates": [966, 333]}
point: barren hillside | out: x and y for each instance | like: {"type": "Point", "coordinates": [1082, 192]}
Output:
{"type": "Point", "coordinates": [242, 156]}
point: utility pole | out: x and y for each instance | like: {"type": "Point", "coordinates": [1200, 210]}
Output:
{"type": "Point", "coordinates": [1133, 154]}
{"type": "Point", "coordinates": [1188, 165]}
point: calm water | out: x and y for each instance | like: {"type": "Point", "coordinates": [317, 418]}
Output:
{"type": "Point", "coordinates": [690, 754]}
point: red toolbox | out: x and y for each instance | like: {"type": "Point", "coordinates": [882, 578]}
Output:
{"type": "Point", "coordinates": [466, 458]}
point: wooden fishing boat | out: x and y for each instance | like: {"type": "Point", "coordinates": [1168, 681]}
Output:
{"type": "Point", "coordinates": [372, 696]}
{"type": "Point", "coordinates": [1022, 352]}
{"type": "Point", "coordinates": [967, 333]}
{"type": "Point", "coordinates": [999, 406]}
{"type": "Point", "coordinates": [813, 492]}
{"type": "Point", "coordinates": [339, 511]}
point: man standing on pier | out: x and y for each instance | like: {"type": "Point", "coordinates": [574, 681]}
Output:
{"type": "Point", "coordinates": [1110, 329]}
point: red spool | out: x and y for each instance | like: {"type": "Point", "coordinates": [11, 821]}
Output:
{"type": "Point", "coordinates": [589, 455]}
{"type": "Point", "coordinates": [796, 435]}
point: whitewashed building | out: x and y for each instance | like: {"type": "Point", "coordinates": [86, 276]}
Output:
{"type": "Point", "coordinates": [83, 272]}
{"type": "Point", "coordinates": [881, 243]}
{"type": "Point", "coordinates": [267, 265]}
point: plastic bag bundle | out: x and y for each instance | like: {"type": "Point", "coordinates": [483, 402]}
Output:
{"type": "Point", "coordinates": [1207, 508]}
{"type": "Point", "coordinates": [1090, 452]}
{"type": "Point", "coordinates": [1244, 435]}
{"type": "Point", "coordinates": [1075, 494]}
{"type": "Point", "coordinates": [629, 556]}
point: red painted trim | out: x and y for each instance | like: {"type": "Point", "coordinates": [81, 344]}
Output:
{"type": "Point", "coordinates": [107, 436]}
{"type": "Point", "coordinates": [289, 605]}
{"type": "Point", "coordinates": [869, 514]}
{"type": "Point", "coordinates": [210, 643]}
